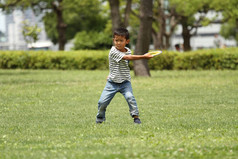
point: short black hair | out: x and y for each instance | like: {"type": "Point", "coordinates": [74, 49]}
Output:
{"type": "Point", "coordinates": [177, 45]}
{"type": "Point", "coordinates": [122, 32]}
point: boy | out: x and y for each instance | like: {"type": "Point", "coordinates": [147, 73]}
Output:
{"type": "Point", "coordinates": [119, 76]}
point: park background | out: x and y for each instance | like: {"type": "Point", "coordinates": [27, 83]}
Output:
{"type": "Point", "coordinates": [54, 64]}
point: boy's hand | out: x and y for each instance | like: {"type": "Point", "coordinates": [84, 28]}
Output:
{"type": "Point", "coordinates": [148, 56]}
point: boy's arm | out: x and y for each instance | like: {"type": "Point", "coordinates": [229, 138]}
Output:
{"type": "Point", "coordinates": [137, 57]}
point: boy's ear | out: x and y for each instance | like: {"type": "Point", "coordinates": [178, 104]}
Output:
{"type": "Point", "coordinates": [127, 41]}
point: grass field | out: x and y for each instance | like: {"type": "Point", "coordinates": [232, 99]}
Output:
{"type": "Point", "coordinates": [51, 114]}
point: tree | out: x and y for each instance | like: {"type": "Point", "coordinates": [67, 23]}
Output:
{"type": "Point", "coordinates": [229, 30]}
{"type": "Point", "coordinates": [229, 12]}
{"type": "Point", "coordinates": [116, 15]}
{"type": "Point", "coordinates": [144, 37]}
{"type": "Point", "coordinates": [164, 23]}
{"type": "Point", "coordinates": [30, 32]}
{"type": "Point", "coordinates": [87, 40]}
{"type": "Point", "coordinates": [55, 6]}
{"type": "Point", "coordinates": [62, 18]}
{"type": "Point", "coordinates": [186, 11]}
{"type": "Point", "coordinates": [82, 15]}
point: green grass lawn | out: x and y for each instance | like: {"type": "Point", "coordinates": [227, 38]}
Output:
{"type": "Point", "coordinates": [185, 114]}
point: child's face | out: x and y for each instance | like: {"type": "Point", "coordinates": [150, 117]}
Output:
{"type": "Point", "coordinates": [120, 42]}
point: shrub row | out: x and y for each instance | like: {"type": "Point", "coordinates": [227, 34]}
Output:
{"type": "Point", "coordinates": [88, 60]}
{"type": "Point", "coordinates": [91, 60]}
{"type": "Point", "coordinates": [215, 59]}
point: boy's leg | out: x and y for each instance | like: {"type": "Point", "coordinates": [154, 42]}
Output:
{"type": "Point", "coordinates": [127, 92]}
{"type": "Point", "coordinates": [106, 97]}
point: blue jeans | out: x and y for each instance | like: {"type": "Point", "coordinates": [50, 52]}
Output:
{"type": "Point", "coordinates": [109, 92]}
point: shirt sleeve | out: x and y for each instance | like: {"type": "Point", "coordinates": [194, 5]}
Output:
{"type": "Point", "coordinates": [116, 55]}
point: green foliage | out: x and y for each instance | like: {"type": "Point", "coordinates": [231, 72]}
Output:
{"type": "Point", "coordinates": [228, 8]}
{"type": "Point", "coordinates": [50, 26]}
{"type": "Point", "coordinates": [89, 60]}
{"type": "Point", "coordinates": [77, 15]}
{"type": "Point", "coordinates": [164, 61]}
{"type": "Point", "coordinates": [206, 21]}
{"type": "Point", "coordinates": [229, 12]}
{"type": "Point", "coordinates": [30, 32]}
{"type": "Point", "coordinates": [189, 7]}
{"type": "Point", "coordinates": [83, 15]}
{"type": "Point", "coordinates": [92, 40]}
{"type": "Point", "coordinates": [229, 30]}
{"type": "Point", "coordinates": [206, 60]}
{"type": "Point", "coordinates": [215, 59]}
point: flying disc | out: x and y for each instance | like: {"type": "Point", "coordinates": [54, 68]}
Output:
{"type": "Point", "coordinates": [155, 53]}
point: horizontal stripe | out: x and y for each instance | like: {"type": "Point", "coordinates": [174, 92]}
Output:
{"type": "Point", "coordinates": [119, 68]}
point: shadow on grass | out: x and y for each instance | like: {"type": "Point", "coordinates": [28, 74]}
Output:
{"type": "Point", "coordinates": [16, 72]}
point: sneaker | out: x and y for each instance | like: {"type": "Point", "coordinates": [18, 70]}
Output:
{"type": "Point", "coordinates": [137, 121]}
{"type": "Point", "coordinates": [99, 120]}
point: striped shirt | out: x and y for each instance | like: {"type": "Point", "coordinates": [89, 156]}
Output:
{"type": "Point", "coordinates": [119, 68]}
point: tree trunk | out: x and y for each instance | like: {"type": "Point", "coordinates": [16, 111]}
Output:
{"type": "Point", "coordinates": [155, 39]}
{"type": "Point", "coordinates": [61, 26]}
{"type": "Point", "coordinates": [167, 41]}
{"type": "Point", "coordinates": [161, 25]}
{"type": "Point", "coordinates": [142, 46]}
{"type": "Point", "coordinates": [236, 36]}
{"type": "Point", "coordinates": [115, 14]}
{"type": "Point", "coordinates": [172, 25]}
{"type": "Point", "coordinates": [186, 34]}
{"type": "Point", "coordinates": [158, 36]}
{"type": "Point", "coordinates": [162, 37]}
{"type": "Point", "coordinates": [127, 13]}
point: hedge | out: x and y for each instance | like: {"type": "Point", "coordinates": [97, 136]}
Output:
{"type": "Point", "coordinates": [88, 60]}
{"type": "Point", "coordinates": [214, 59]}
{"type": "Point", "coordinates": [91, 60]}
